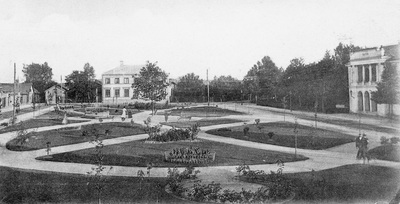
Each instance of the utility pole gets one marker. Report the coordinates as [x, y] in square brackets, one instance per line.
[13, 114]
[208, 90]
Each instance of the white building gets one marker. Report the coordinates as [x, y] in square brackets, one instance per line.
[55, 94]
[365, 69]
[117, 85]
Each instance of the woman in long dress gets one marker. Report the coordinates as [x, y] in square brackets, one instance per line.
[123, 116]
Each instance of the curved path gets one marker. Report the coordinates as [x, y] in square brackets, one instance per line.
[319, 159]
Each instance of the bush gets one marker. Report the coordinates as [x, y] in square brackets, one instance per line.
[257, 121]
[384, 140]
[246, 130]
[270, 135]
[394, 140]
[189, 155]
[224, 130]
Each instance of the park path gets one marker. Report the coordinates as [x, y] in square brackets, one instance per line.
[318, 159]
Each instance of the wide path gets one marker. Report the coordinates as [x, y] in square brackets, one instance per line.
[319, 159]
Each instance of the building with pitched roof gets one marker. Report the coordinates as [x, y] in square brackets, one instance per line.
[56, 94]
[365, 70]
[24, 93]
[117, 84]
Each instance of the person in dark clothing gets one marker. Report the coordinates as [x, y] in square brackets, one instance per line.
[364, 148]
[358, 145]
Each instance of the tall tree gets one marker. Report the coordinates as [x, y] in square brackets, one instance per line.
[226, 88]
[151, 83]
[40, 75]
[190, 88]
[82, 84]
[388, 89]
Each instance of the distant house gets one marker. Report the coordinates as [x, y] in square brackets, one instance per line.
[24, 93]
[56, 94]
[117, 84]
[365, 69]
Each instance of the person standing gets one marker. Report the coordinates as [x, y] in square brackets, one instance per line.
[358, 145]
[123, 116]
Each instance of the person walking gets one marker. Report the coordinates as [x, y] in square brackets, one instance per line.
[358, 145]
[364, 148]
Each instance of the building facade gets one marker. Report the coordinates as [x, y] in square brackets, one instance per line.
[24, 94]
[364, 71]
[55, 94]
[117, 85]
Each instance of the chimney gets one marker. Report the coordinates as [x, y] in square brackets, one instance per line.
[121, 63]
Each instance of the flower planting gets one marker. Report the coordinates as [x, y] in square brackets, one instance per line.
[174, 134]
[191, 155]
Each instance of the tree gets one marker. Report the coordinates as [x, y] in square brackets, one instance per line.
[40, 75]
[226, 88]
[151, 83]
[388, 91]
[82, 84]
[189, 88]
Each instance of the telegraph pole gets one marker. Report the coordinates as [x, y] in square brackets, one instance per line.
[13, 115]
[208, 90]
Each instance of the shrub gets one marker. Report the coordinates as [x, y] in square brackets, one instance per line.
[224, 130]
[189, 155]
[257, 121]
[246, 130]
[394, 140]
[270, 135]
[384, 140]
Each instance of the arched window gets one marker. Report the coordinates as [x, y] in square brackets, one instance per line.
[367, 101]
[360, 101]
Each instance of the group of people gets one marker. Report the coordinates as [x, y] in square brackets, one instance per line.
[362, 145]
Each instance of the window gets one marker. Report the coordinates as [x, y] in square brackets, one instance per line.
[107, 81]
[126, 80]
[116, 81]
[108, 93]
[116, 93]
[366, 78]
[360, 75]
[126, 92]
[373, 70]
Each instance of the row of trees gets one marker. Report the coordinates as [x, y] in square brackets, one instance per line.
[81, 85]
[316, 86]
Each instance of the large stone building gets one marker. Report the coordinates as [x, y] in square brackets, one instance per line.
[117, 85]
[365, 69]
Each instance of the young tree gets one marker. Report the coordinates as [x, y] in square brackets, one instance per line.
[151, 83]
[388, 89]
[40, 75]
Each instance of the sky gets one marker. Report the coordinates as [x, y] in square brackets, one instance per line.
[227, 37]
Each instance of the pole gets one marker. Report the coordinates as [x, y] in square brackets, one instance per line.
[208, 91]
[13, 115]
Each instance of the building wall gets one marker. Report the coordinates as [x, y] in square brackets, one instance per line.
[51, 96]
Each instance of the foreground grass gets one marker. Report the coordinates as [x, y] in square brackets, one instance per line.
[346, 184]
[386, 152]
[308, 137]
[22, 186]
[203, 111]
[138, 153]
[202, 122]
[59, 137]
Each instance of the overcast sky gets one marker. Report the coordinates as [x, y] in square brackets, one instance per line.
[225, 36]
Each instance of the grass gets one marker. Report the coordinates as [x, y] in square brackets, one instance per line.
[203, 111]
[386, 152]
[9, 114]
[202, 122]
[59, 137]
[23, 186]
[113, 111]
[36, 123]
[308, 137]
[354, 183]
[138, 153]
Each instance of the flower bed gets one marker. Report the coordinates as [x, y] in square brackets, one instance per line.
[189, 155]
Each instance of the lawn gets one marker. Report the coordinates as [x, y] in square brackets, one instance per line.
[73, 135]
[202, 122]
[202, 111]
[139, 153]
[355, 183]
[36, 123]
[112, 111]
[308, 137]
[386, 152]
[9, 114]
[23, 186]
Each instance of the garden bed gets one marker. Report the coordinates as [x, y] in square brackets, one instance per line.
[307, 137]
[202, 122]
[139, 153]
[36, 123]
[387, 152]
[202, 111]
[38, 140]
[345, 184]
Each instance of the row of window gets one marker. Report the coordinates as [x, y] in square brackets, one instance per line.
[116, 93]
[367, 77]
[116, 80]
